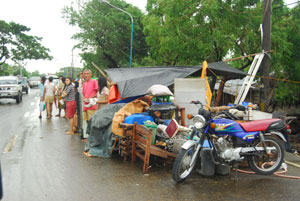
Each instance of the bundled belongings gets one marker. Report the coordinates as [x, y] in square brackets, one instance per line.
[171, 136]
[162, 107]
[234, 112]
[139, 118]
[159, 90]
[100, 140]
[136, 106]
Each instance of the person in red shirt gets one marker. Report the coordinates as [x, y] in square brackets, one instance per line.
[89, 91]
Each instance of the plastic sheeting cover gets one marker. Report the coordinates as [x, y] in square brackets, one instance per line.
[135, 81]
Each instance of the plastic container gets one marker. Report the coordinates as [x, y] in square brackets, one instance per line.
[138, 118]
[161, 103]
[161, 99]
[153, 126]
[245, 104]
[167, 122]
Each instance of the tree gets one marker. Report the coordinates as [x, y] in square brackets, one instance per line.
[188, 32]
[35, 73]
[105, 33]
[288, 62]
[16, 45]
[12, 70]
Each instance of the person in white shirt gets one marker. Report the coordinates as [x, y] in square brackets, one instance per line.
[49, 90]
[103, 93]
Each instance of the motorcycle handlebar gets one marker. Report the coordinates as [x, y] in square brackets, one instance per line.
[195, 102]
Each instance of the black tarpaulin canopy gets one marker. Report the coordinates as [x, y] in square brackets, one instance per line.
[136, 81]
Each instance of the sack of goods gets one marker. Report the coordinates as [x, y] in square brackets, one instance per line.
[159, 90]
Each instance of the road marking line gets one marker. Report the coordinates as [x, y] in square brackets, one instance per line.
[10, 144]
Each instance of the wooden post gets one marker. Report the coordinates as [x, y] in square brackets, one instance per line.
[266, 46]
[220, 91]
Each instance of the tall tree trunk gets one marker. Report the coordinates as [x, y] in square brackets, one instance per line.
[266, 45]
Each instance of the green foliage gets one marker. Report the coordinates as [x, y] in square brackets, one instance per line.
[287, 93]
[6, 70]
[16, 45]
[105, 32]
[288, 66]
[188, 32]
[175, 32]
[35, 73]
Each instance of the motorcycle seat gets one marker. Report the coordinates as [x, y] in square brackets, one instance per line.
[257, 125]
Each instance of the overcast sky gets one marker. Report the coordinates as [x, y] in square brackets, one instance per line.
[44, 19]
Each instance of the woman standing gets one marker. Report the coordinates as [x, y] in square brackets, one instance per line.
[103, 93]
[69, 93]
[42, 101]
[63, 106]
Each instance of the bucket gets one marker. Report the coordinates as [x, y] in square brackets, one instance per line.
[153, 126]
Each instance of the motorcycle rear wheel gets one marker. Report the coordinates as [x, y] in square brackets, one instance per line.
[183, 165]
[266, 164]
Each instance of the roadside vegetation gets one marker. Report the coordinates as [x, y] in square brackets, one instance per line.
[172, 32]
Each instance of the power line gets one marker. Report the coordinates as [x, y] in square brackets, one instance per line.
[286, 5]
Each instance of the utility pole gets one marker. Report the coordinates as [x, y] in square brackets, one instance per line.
[20, 70]
[72, 64]
[266, 46]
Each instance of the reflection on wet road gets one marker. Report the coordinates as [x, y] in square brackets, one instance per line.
[44, 164]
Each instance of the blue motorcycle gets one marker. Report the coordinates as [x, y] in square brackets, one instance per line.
[259, 142]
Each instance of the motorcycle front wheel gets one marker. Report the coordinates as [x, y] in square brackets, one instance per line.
[183, 164]
[267, 163]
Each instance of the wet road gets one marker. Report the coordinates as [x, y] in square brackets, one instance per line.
[44, 164]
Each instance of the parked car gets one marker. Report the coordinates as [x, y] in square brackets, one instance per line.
[10, 87]
[25, 84]
[34, 81]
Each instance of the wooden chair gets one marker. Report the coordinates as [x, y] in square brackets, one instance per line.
[142, 147]
[124, 141]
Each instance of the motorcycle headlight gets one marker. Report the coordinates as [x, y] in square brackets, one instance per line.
[199, 121]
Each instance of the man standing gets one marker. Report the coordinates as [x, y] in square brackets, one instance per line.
[59, 93]
[48, 96]
[89, 90]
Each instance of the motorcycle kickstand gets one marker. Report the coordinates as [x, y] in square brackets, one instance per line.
[235, 167]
